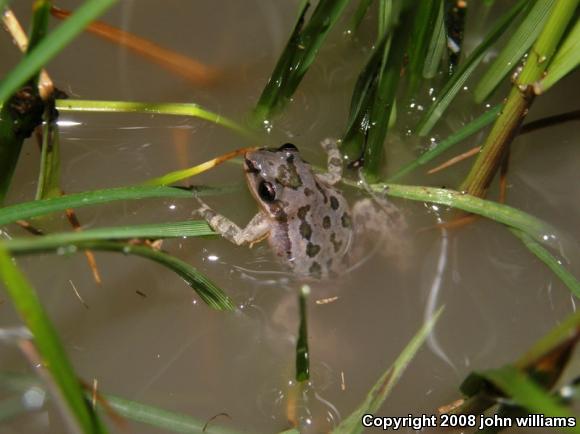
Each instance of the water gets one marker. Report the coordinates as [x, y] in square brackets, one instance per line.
[165, 348]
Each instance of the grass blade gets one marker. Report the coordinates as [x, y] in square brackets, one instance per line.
[456, 82]
[26, 210]
[302, 353]
[299, 53]
[49, 173]
[527, 393]
[566, 59]
[28, 305]
[471, 128]
[426, 16]
[51, 45]
[505, 214]
[129, 409]
[359, 14]
[190, 228]
[518, 45]
[519, 100]
[381, 390]
[552, 263]
[177, 109]
[211, 294]
[437, 45]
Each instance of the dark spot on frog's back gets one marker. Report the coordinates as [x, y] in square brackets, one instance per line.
[334, 204]
[308, 192]
[312, 249]
[288, 175]
[315, 270]
[346, 221]
[326, 222]
[303, 211]
[336, 243]
[305, 230]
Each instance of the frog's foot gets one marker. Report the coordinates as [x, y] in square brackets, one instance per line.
[256, 230]
[334, 162]
[381, 224]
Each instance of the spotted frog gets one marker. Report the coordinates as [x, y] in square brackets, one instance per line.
[305, 218]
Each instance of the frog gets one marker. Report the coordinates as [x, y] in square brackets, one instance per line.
[303, 214]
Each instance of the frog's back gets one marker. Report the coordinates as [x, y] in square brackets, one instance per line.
[318, 235]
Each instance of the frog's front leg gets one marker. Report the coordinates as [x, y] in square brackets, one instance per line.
[256, 230]
[334, 162]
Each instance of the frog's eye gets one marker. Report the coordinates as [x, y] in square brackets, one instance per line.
[288, 146]
[266, 191]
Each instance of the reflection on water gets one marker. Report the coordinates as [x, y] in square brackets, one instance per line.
[145, 334]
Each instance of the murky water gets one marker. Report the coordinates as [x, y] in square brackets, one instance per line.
[168, 349]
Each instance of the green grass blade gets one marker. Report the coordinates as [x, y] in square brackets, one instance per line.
[528, 394]
[426, 15]
[467, 130]
[553, 339]
[176, 109]
[30, 309]
[457, 81]
[566, 59]
[193, 228]
[132, 410]
[26, 210]
[553, 264]
[211, 294]
[51, 45]
[163, 419]
[39, 26]
[302, 353]
[437, 45]
[382, 388]
[505, 214]
[49, 173]
[518, 45]
[299, 53]
[359, 14]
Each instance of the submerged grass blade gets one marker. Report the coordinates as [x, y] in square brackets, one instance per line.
[382, 388]
[30, 309]
[168, 421]
[193, 228]
[49, 173]
[518, 45]
[566, 59]
[302, 353]
[299, 53]
[456, 82]
[426, 16]
[437, 45]
[51, 45]
[26, 210]
[177, 109]
[526, 393]
[552, 263]
[359, 14]
[471, 128]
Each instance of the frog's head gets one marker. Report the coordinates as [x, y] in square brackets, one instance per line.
[277, 178]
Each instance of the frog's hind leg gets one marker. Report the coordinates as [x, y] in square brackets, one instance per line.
[380, 224]
[334, 162]
[255, 231]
